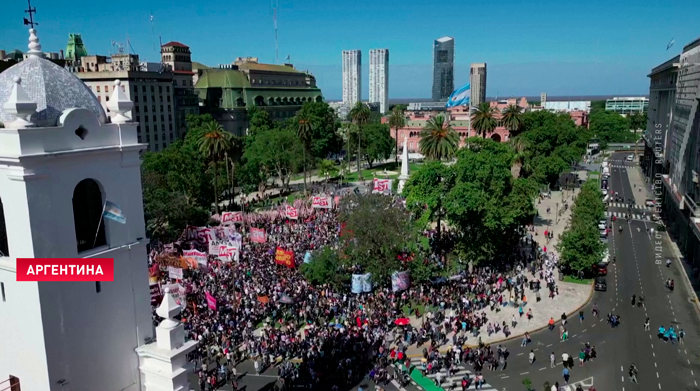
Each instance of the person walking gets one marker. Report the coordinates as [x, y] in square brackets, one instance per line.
[581, 357]
[565, 374]
[552, 360]
[646, 324]
[565, 360]
[681, 335]
[633, 373]
[531, 357]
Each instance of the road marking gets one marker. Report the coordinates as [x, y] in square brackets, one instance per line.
[397, 385]
[655, 364]
[593, 325]
[542, 369]
[505, 377]
[525, 373]
[584, 330]
[520, 354]
[549, 345]
[657, 375]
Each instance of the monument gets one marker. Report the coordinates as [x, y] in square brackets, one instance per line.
[403, 177]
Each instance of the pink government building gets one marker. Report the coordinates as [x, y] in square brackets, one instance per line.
[459, 119]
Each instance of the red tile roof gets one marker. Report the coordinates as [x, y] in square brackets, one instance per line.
[175, 43]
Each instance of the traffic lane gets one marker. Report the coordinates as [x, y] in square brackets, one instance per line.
[658, 362]
[680, 362]
[246, 378]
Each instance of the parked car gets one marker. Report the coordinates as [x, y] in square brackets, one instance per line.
[600, 284]
[630, 158]
[606, 257]
[603, 233]
[649, 203]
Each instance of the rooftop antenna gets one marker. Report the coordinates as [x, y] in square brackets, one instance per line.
[31, 11]
[128, 43]
[275, 4]
[153, 31]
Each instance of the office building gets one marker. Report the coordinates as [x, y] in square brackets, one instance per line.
[662, 98]
[681, 159]
[352, 77]
[63, 159]
[543, 99]
[427, 106]
[443, 68]
[567, 105]
[228, 91]
[178, 60]
[477, 81]
[379, 78]
[627, 105]
[151, 92]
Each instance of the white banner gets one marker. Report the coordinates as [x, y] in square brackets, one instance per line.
[292, 212]
[198, 256]
[175, 272]
[382, 186]
[231, 217]
[322, 202]
[227, 252]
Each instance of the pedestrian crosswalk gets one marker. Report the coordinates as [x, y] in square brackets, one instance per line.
[455, 380]
[625, 205]
[618, 166]
[623, 215]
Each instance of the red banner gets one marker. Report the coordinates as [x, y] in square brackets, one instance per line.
[231, 217]
[321, 202]
[284, 257]
[382, 185]
[211, 301]
[258, 235]
[292, 212]
[65, 269]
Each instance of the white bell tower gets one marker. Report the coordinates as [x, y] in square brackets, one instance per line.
[60, 161]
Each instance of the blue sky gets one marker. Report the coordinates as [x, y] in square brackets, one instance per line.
[561, 47]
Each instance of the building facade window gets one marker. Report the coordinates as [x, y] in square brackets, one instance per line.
[87, 215]
[98, 88]
[4, 247]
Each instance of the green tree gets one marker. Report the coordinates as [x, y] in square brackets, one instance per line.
[379, 232]
[437, 139]
[324, 124]
[579, 246]
[276, 150]
[212, 144]
[397, 120]
[611, 127]
[484, 119]
[326, 267]
[360, 116]
[377, 143]
[327, 168]
[305, 134]
[513, 119]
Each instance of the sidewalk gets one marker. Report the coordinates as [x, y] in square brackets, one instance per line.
[550, 221]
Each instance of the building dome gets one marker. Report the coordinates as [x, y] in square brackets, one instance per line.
[52, 88]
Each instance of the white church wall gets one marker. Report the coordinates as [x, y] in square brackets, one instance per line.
[23, 351]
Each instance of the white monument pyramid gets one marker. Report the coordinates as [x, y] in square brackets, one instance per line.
[403, 177]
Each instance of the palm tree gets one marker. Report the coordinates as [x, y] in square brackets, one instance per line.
[437, 139]
[512, 118]
[397, 120]
[520, 158]
[484, 119]
[304, 132]
[360, 116]
[213, 143]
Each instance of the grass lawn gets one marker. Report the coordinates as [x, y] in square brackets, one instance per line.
[577, 280]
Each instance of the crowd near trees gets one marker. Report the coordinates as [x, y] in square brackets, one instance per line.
[484, 197]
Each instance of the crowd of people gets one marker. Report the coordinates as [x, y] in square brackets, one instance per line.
[269, 313]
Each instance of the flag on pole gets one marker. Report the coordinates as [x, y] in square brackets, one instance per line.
[289, 57]
[668, 46]
[460, 97]
[113, 212]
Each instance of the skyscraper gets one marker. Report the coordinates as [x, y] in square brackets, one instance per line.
[352, 76]
[477, 79]
[379, 78]
[443, 68]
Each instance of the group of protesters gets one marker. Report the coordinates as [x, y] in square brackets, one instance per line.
[269, 313]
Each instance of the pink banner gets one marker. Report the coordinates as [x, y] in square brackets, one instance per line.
[258, 235]
[382, 185]
[321, 202]
[211, 301]
[292, 212]
[231, 217]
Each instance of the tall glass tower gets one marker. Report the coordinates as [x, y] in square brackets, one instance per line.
[443, 68]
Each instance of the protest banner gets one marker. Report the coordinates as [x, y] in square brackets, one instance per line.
[214, 247]
[292, 212]
[284, 257]
[155, 293]
[175, 272]
[400, 281]
[258, 235]
[197, 256]
[231, 217]
[178, 293]
[233, 252]
[382, 186]
[211, 301]
[356, 286]
[321, 202]
[227, 252]
[367, 282]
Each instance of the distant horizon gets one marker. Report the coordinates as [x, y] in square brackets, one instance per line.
[532, 98]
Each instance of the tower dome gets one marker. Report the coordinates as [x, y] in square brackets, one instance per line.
[54, 89]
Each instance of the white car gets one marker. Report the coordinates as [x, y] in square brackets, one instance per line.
[605, 191]
[650, 203]
[606, 257]
[601, 226]
[630, 158]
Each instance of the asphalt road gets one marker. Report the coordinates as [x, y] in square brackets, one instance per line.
[662, 366]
